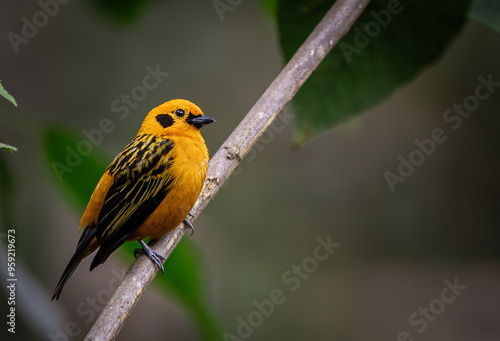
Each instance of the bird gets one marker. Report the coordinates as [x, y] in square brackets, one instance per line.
[148, 189]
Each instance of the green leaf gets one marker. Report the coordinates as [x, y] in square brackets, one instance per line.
[487, 12]
[8, 147]
[271, 8]
[76, 169]
[6, 95]
[389, 44]
[122, 11]
[74, 163]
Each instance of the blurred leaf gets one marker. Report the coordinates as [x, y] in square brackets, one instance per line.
[74, 163]
[123, 11]
[6, 95]
[487, 12]
[12, 149]
[271, 7]
[77, 176]
[389, 44]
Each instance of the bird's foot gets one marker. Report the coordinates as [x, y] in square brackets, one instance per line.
[154, 256]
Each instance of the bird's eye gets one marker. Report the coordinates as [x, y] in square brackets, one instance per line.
[179, 112]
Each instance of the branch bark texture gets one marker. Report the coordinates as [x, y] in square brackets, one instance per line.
[334, 25]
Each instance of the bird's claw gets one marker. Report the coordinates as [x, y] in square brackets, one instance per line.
[153, 255]
[189, 225]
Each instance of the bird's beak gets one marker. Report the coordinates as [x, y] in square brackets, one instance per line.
[200, 121]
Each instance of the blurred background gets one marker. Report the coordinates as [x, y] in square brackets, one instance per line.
[399, 250]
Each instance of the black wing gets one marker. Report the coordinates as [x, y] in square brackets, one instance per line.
[141, 182]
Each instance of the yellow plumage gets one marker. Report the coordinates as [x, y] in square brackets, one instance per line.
[149, 188]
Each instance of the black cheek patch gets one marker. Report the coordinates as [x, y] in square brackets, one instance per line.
[165, 120]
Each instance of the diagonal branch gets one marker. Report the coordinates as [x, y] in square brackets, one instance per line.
[334, 25]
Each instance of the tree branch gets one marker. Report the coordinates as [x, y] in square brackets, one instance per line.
[334, 25]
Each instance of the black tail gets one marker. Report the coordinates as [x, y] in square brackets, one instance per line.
[87, 236]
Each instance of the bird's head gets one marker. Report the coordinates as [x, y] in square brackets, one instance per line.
[175, 117]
